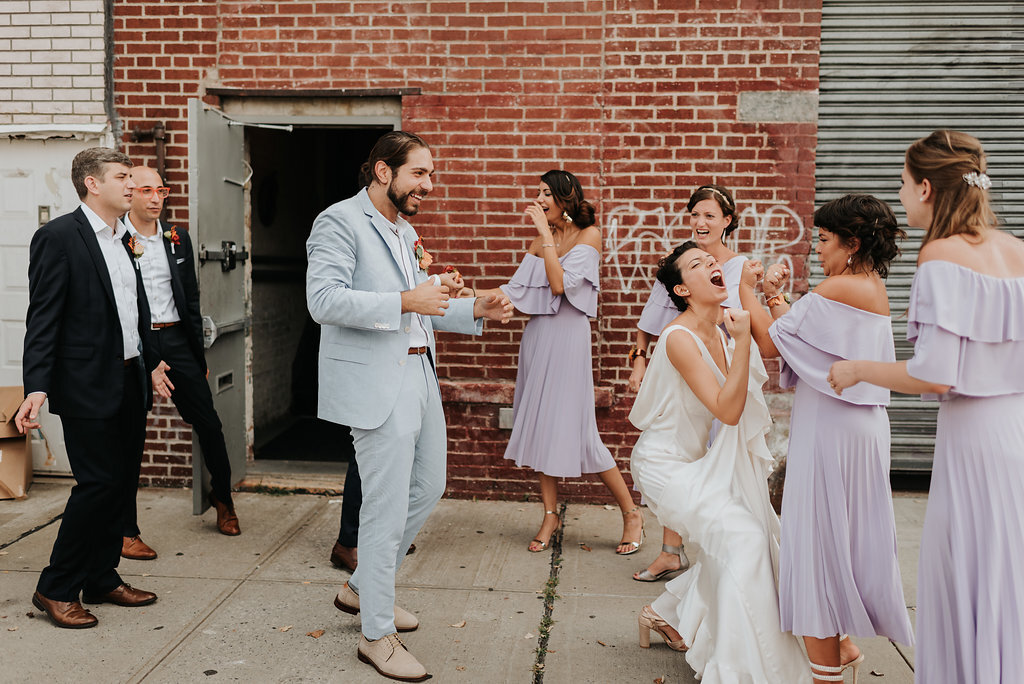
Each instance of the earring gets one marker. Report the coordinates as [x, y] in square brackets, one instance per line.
[921, 198]
[566, 217]
[849, 260]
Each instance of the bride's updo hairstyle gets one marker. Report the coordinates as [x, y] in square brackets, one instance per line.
[867, 220]
[954, 164]
[670, 275]
[568, 192]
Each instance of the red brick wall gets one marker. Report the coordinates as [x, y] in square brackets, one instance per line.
[639, 98]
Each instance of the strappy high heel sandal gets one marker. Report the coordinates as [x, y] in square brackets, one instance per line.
[646, 575]
[649, 621]
[834, 673]
[544, 544]
[634, 546]
[855, 663]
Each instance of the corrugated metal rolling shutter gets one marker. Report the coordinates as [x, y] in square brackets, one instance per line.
[892, 72]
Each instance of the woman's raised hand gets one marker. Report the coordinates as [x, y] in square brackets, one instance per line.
[775, 278]
[737, 323]
[536, 212]
[752, 272]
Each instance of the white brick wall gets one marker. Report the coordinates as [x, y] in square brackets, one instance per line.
[51, 62]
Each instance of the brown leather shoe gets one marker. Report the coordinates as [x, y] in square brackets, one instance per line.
[227, 521]
[133, 548]
[124, 595]
[67, 614]
[345, 557]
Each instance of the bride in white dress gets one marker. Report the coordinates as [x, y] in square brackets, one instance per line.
[724, 610]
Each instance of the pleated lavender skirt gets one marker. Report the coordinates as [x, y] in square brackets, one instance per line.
[554, 427]
[970, 593]
[838, 568]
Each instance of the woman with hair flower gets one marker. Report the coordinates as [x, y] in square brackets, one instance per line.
[966, 320]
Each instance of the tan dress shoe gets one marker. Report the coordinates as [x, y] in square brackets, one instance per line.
[124, 595]
[133, 548]
[227, 521]
[347, 601]
[345, 557]
[390, 658]
[66, 614]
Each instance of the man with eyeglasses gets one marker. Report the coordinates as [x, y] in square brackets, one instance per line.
[169, 275]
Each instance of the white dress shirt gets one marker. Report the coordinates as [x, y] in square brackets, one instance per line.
[156, 276]
[399, 246]
[121, 268]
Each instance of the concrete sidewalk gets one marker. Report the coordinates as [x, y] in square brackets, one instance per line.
[251, 608]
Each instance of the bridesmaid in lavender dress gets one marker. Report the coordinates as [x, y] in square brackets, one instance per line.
[554, 428]
[966, 319]
[713, 218]
[839, 573]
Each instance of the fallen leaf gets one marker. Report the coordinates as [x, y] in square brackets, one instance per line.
[601, 642]
[284, 629]
[874, 673]
[209, 673]
[147, 574]
[609, 508]
[307, 582]
[460, 668]
[660, 680]
[12, 629]
[316, 634]
[584, 546]
[30, 614]
[459, 624]
[528, 636]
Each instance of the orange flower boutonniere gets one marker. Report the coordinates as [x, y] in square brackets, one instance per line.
[136, 246]
[423, 257]
[172, 235]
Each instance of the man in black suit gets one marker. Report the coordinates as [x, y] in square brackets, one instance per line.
[86, 327]
[172, 292]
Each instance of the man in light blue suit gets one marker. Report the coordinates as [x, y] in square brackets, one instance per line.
[368, 288]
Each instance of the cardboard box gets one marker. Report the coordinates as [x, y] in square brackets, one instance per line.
[15, 451]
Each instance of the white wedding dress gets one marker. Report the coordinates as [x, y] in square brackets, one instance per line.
[726, 606]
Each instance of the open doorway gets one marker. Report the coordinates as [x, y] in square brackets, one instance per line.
[296, 175]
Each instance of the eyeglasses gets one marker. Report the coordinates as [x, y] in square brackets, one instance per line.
[147, 191]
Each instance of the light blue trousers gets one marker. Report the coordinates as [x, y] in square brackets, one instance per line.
[402, 466]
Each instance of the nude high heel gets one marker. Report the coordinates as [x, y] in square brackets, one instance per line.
[855, 663]
[634, 546]
[649, 621]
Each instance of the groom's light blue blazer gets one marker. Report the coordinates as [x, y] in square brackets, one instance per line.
[353, 286]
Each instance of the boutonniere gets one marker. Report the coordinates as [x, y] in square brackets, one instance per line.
[136, 246]
[172, 235]
[423, 257]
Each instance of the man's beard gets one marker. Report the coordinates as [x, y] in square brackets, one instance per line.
[402, 202]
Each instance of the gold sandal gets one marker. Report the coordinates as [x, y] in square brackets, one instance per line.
[544, 544]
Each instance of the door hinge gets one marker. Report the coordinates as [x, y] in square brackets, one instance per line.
[228, 255]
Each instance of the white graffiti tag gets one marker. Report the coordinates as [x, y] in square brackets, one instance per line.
[635, 235]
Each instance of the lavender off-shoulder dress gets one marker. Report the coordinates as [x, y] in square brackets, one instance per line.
[554, 425]
[968, 333]
[838, 569]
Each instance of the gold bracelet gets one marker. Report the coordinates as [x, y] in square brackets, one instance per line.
[774, 299]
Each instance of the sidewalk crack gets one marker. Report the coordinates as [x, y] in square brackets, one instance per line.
[550, 595]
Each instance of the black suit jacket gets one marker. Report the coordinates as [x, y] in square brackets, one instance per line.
[74, 350]
[185, 287]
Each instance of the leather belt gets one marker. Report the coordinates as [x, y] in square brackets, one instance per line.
[160, 326]
[417, 350]
[130, 362]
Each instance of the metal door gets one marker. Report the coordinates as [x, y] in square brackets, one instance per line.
[35, 186]
[217, 177]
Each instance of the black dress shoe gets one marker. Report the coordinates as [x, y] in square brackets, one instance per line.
[345, 557]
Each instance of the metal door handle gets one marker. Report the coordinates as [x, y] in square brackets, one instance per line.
[212, 331]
